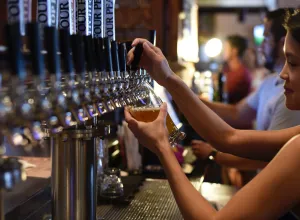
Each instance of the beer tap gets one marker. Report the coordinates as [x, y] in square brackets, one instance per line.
[80, 90]
[58, 119]
[36, 91]
[109, 77]
[101, 79]
[13, 101]
[136, 72]
[117, 74]
[73, 101]
[90, 80]
[125, 97]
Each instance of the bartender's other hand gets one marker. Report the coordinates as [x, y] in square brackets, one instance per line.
[152, 60]
[201, 149]
[153, 135]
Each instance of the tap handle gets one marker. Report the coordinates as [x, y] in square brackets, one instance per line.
[51, 45]
[115, 56]
[122, 56]
[138, 51]
[89, 53]
[35, 45]
[100, 54]
[152, 37]
[14, 45]
[128, 48]
[65, 49]
[107, 49]
[78, 52]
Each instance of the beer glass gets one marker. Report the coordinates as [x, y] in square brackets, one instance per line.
[146, 109]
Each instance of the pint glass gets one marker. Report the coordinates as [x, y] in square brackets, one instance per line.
[147, 107]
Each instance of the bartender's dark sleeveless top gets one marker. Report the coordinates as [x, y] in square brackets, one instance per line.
[289, 216]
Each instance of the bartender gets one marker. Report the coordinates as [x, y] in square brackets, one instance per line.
[275, 190]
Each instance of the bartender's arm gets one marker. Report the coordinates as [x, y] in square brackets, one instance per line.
[261, 145]
[203, 150]
[239, 115]
[272, 193]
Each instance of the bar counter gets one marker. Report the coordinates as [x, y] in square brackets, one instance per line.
[31, 200]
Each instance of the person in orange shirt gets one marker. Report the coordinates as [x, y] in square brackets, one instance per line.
[238, 77]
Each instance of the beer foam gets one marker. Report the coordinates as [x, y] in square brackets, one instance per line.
[140, 109]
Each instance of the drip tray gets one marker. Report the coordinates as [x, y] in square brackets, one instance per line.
[131, 186]
[154, 201]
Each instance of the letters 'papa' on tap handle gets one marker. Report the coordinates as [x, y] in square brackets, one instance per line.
[138, 51]
[35, 47]
[51, 45]
[14, 45]
[65, 50]
[122, 56]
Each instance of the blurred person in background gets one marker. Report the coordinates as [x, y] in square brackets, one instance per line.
[256, 67]
[238, 77]
[265, 105]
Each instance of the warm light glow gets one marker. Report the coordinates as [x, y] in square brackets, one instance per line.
[208, 74]
[213, 47]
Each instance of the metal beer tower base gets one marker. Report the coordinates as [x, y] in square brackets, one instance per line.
[74, 173]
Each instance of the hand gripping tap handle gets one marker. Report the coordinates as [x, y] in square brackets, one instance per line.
[138, 51]
[35, 46]
[14, 45]
[78, 53]
[65, 49]
[122, 56]
[115, 56]
[51, 45]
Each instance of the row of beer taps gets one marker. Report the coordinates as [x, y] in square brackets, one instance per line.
[63, 81]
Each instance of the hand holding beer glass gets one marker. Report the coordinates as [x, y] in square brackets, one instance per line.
[147, 108]
[147, 104]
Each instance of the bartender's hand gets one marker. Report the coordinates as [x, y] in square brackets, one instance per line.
[152, 60]
[153, 135]
[201, 149]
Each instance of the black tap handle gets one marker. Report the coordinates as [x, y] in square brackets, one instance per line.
[100, 56]
[89, 53]
[108, 58]
[51, 45]
[14, 45]
[122, 56]
[152, 37]
[128, 45]
[128, 48]
[78, 52]
[35, 46]
[115, 56]
[65, 50]
[138, 51]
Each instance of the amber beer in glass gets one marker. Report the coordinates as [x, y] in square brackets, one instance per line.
[146, 108]
[150, 114]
